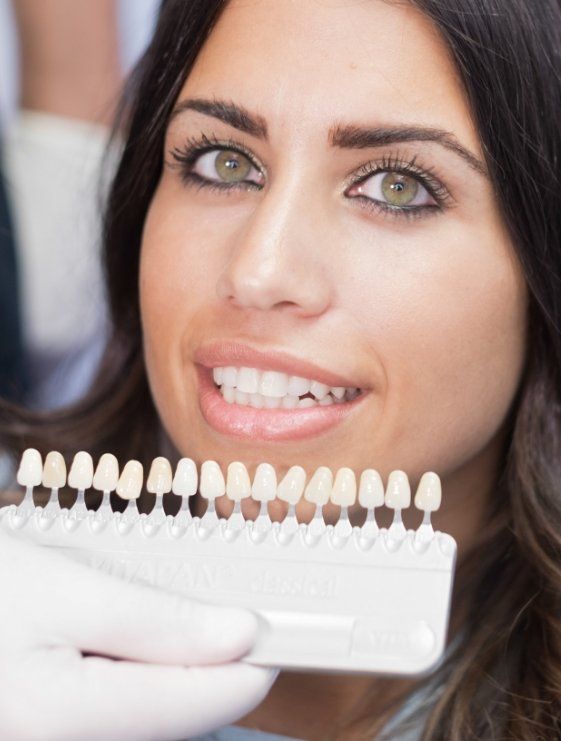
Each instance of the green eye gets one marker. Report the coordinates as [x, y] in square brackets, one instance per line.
[399, 189]
[394, 190]
[232, 167]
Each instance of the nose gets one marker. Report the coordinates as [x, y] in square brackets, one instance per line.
[275, 261]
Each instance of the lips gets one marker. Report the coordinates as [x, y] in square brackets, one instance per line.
[229, 353]
[248, 423]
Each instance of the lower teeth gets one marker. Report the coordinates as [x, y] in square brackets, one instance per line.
[258, 401]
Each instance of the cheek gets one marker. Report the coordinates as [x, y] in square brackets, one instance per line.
[452, 344]
[173, 281]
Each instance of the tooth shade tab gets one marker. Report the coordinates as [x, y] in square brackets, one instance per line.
[30, 471]
[238, 484]
[54, 471]
[185, 480]
[291, 487]
[371, 489]
[429, 492]
[212, 482]
[106, 476]
[81, 471]
[264, 487]
[160, 477]
[318, 489]
[398, 491]
[129, 485]
[344, 488]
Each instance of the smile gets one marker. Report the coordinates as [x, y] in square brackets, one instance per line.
[281, 408]
[270, 389]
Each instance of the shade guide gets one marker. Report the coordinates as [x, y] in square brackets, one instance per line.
[30, 469]
[238, 484]
[54, 471]
[322, 488]
[129, 485]
[185, 479]
[81, 471]
[106, 474]
[429, 492]
[212, 483]
[160, 477]
[398, 491]
[291, 487]
[318, 488]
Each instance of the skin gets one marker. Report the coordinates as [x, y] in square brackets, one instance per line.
[69, 57]
[429, 313]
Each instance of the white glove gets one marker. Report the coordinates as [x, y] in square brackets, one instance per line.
[52, 610]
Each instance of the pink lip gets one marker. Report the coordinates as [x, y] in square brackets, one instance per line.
[248, 423]
[228, 353]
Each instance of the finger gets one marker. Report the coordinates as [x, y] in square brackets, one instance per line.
[123, 700]
[138, 622]
[73, 604]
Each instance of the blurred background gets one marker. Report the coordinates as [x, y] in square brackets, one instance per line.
[62, 65]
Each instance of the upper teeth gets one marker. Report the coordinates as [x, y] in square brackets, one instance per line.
[274, 384]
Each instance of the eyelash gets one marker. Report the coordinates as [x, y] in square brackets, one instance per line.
[194, 147]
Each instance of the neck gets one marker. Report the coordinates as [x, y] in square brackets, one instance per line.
[312, 706]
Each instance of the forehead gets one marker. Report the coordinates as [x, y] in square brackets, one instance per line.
[303, 64]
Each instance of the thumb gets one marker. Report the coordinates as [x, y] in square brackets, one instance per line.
[104, 614]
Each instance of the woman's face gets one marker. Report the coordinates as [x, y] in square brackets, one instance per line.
[338, 212]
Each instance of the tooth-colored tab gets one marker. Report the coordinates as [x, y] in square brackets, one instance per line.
[429, 492]
[292, 485]
[159, 477]
[81, 471]
[106, 474]
[212, 482]
[398, 491]
[129, 485]
[186, 478]
[238, 483]
[54, 471]
[30, 471]
[264, 487]
[318, 489]
[344, 488]
[371, 489]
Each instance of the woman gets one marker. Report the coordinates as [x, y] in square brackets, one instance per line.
[366, 193]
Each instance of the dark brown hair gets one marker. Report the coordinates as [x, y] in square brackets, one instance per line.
[502, 680]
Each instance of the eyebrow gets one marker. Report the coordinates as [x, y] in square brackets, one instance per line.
[341, 136]
[230, 113]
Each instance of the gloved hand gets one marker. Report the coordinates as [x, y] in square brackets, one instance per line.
[53, 610]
